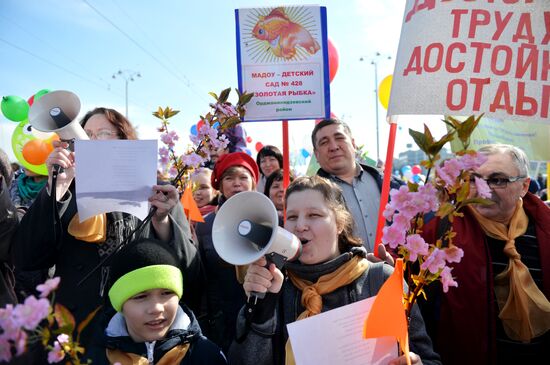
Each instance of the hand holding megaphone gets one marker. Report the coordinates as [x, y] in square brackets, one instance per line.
[62, 159]
[246, 229]
[263, 277]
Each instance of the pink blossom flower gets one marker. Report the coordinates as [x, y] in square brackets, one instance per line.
[393, 235]
[5, 348]
[453, 254]
[388, 212]
[169, 138]
[63, 338]
[56, 354]
[449, 171]
[401, 221]
[429, 194]
[172, 172]
[192, 160]
[472, 161]
[447, 279]
[7, 321]
[435, 261]
[221, 142]
[20, 343]
[483, 190]
[416, 246]
[32, 312]
[49, 286]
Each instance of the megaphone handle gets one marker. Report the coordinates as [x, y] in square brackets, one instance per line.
[279, 261]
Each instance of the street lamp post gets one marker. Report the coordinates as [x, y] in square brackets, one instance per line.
[127, 75]
[374, 62]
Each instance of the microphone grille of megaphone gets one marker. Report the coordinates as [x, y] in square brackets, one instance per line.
[56, 112]
[231, 225]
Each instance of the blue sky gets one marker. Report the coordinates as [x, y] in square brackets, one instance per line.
[183, 50]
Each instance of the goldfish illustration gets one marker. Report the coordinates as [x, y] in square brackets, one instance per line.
[283, 35]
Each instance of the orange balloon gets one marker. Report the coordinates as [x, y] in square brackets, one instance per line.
[36, 151]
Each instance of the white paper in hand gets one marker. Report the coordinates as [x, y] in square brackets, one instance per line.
[114, 176]
[336, 337]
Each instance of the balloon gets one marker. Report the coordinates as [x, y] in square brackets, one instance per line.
[416, 169]
[406, 168]
[248, 151]
[37, 96]
[416, 178]
[407, 175]
[259, 146]
[248, 139]
[332, 60]
[33, 156]
[14, 108]
[305, 153]
[36, 151]
[200, 123]
[384, 91]
[194, 129]
[40, 94]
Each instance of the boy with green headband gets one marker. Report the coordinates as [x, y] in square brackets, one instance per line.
[151, 326]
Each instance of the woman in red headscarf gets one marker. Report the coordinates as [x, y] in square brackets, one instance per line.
[233, 173]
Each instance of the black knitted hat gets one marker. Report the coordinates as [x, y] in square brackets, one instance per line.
[143, 265]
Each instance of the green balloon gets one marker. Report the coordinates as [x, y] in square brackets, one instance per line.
[39, 94]
[14, 108]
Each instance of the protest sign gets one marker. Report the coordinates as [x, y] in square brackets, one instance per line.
[282, 58]
[464, 57]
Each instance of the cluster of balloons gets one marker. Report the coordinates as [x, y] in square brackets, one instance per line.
[413, 173]
[30, 146]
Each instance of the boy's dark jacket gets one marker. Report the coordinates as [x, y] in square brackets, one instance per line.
[201, 350]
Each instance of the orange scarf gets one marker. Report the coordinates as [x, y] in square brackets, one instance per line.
[312, 292]
[174, 356]
[524, 310]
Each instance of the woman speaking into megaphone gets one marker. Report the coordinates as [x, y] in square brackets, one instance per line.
[332, 271]
[76, 248]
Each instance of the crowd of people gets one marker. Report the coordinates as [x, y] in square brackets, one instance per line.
[163, 295]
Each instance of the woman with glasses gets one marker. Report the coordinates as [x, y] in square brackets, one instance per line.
[51, 233]
[500, 311]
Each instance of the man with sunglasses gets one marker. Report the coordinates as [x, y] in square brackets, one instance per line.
[500, 311]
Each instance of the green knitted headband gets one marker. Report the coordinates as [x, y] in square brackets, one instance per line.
[145, 278]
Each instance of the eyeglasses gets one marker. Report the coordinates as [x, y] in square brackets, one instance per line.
[497, 182]
[101, 134]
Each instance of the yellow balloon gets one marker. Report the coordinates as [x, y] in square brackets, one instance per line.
[384, 91]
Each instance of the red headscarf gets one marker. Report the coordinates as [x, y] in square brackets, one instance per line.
[233, 159]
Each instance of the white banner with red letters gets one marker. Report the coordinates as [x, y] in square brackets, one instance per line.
[464, 57]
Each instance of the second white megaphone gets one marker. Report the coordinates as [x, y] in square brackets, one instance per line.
[247, 227]
[56, 112]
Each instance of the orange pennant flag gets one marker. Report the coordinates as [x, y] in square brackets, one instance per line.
[190, 207]
[387, 315]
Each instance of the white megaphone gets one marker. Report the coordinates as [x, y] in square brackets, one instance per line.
[56, 112]
[247, 227]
